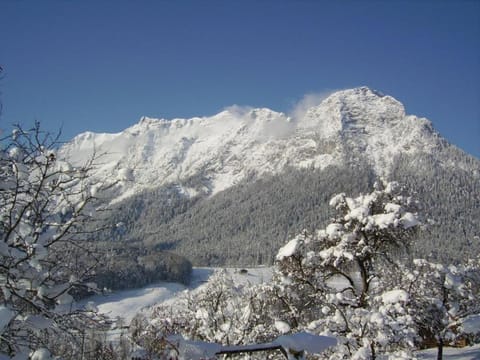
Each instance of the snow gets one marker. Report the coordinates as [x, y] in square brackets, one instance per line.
[313, 344]
[466, 353]
[41, 354]
[383, 221]
[392, 208]
[395, 296]
[452, 281]
[189, 350]
[362, 353]
[38, 322]
[471, 324]
[391, 187]
[65, 299]
[302, 341]
[409, 220]
[334, 230]
[288, 249]
[126, 304]
[5, 316]
[282, 326]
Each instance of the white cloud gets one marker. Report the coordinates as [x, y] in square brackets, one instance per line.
[308, 101]
[271, 126]
[239, 111]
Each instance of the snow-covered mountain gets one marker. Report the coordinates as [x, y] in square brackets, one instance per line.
[240, 143]
[232, 188]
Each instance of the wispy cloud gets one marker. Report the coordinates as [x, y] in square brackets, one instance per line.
[266, 127]
[308, 101]
[239, 111]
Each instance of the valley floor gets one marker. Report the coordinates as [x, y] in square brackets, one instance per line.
[126, 304]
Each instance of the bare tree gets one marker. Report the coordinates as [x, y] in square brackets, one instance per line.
[45, 204]
[446, 300]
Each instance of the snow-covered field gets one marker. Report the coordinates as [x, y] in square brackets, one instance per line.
[125, 304]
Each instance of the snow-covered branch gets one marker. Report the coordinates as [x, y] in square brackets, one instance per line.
[44, 206]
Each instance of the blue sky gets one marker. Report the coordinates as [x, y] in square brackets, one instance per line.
[101, 65]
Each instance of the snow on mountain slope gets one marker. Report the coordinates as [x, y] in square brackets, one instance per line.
[368, 122]
[237, 143]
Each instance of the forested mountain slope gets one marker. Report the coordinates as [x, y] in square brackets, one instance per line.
[247, 224]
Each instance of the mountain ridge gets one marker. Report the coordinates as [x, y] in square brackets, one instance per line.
[240, 143]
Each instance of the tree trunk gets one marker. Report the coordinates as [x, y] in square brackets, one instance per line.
[364, 274]
[440, 349]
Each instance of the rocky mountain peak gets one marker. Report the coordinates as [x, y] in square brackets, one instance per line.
[352, 109]
[228, 147]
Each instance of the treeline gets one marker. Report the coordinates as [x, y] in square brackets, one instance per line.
[129, 266]
[123, 266]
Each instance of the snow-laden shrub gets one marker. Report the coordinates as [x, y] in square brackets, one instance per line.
[219, 312]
